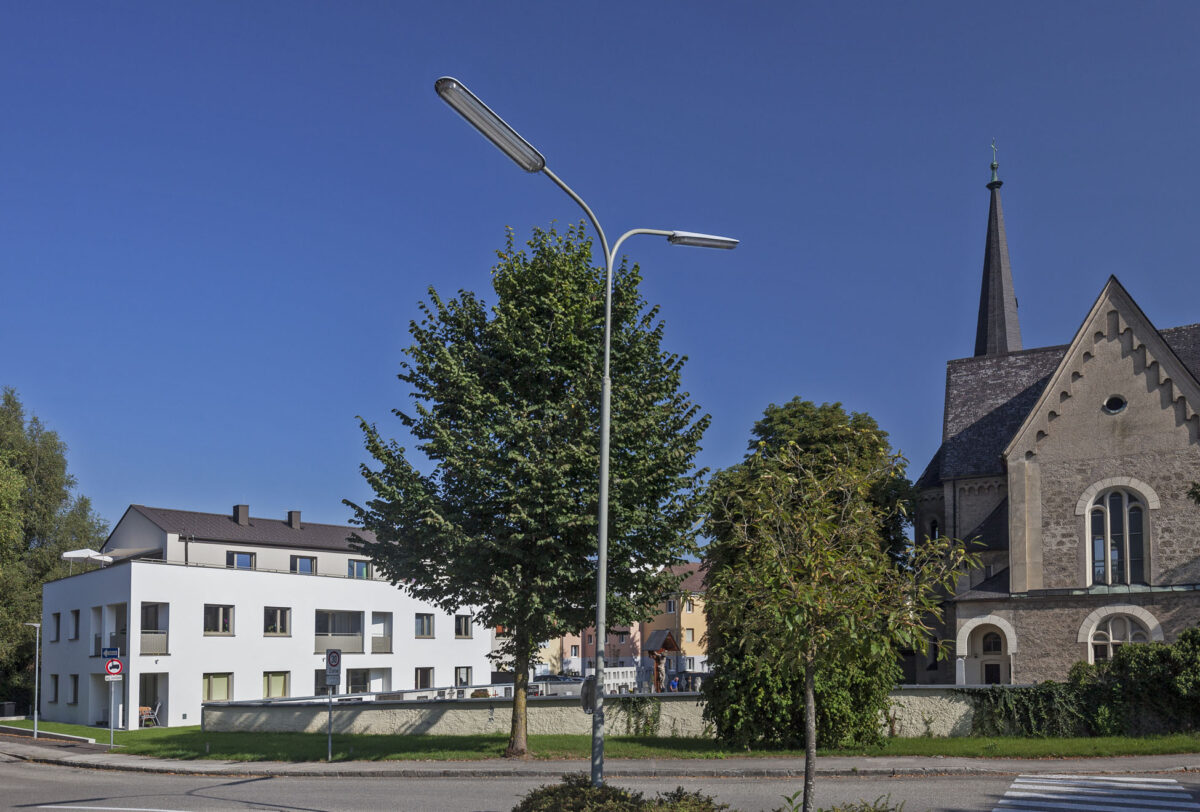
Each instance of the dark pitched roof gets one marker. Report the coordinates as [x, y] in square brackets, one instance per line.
[268, 532]
[992, 532]
[989, 397]
[987, 590]
[998, 331]
[693, 577]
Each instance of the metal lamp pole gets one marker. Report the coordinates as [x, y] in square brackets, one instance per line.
[37, 674]
[481, 117]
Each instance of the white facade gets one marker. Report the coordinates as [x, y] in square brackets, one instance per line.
[201, 630]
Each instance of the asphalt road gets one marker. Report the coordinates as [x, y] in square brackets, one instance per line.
[27, 786]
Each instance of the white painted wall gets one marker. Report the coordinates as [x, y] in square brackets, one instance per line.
[248, 653]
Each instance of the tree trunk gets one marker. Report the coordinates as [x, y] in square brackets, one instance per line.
[518, 735]
[810, 734]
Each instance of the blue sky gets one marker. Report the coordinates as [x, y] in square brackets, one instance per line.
[217, 219]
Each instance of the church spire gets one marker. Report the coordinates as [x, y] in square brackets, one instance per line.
[998, 331]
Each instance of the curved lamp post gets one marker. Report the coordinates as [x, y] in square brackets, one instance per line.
[481, 117]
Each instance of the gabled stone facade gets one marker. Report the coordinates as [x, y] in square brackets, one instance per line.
[1069, 466]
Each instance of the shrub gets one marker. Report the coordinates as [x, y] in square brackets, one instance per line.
[576, 794]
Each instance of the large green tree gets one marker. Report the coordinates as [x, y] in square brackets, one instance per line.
[805, 581]
[506, 407]
[40, 518]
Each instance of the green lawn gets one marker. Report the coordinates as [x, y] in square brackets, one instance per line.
[192, 743]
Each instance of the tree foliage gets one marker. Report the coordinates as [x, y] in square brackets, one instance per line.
[40, 518]
[802, 578]
[506, 406]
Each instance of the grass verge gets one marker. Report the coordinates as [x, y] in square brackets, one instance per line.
[193, 743]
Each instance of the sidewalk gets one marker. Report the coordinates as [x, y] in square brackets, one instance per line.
[96, 756]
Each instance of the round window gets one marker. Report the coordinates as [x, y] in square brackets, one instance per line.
[1115, 404]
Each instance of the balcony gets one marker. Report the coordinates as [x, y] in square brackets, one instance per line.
[154, 642]
[381, 644]
[348, 642]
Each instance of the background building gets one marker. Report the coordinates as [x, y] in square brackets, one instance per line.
[205, 606]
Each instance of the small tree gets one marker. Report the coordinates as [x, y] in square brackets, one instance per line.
[751, 700]
[809, 578]
[507, 408]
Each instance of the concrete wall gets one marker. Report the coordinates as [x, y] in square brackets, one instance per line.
[680, 716]
[917, 710]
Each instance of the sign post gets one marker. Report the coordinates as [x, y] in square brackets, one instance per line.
[333, 678]
[112, 675]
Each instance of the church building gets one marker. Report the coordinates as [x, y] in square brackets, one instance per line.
[1069, 466]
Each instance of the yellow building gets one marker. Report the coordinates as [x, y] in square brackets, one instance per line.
[682, 614]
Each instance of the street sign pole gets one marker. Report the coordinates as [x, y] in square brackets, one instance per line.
[110, 714]
[333, 678]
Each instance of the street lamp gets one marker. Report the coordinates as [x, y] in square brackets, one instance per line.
[526, 156]
[37, 663]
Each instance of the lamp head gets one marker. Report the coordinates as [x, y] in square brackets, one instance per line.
[494, 128]
[702, 240]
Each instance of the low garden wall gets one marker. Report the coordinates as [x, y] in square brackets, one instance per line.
[916, 710]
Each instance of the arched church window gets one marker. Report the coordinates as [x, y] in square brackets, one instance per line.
[1116, 538]
[992, 643]
[1112, 633]
[933, 529]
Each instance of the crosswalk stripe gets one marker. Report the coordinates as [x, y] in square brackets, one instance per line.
[1091, 793]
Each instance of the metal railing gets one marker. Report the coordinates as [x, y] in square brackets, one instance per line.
[349, 643]
[381, 644]
[153, 642]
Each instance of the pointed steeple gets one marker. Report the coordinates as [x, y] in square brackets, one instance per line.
[998, 331]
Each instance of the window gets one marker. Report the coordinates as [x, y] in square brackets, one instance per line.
[691, 663]
[55, 622]
[319, 686]
[462, 676]
[1112, 633]
[73, 692]
[1115, 404]
[991, 673]
[356, 568]
[622, 637]
[670, 606]
[423, 678]
[218, 619]
[218, 687]
[574, 651]
[53, 688]
[589, 640]
[1117, 539]
[277, 622]
[690, 606]
[74, 624]
[424, 625]
[934, 529]
[358, 680]
[239, 561]
[689, 635]
[462, 626]
[275, 684]
[304, 565]
[992, 644]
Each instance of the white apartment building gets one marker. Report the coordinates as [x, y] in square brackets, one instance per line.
[211, 607]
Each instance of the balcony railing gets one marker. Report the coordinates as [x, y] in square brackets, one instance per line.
[381, 644]
[154, 642]
[117, 640]
[349, 643]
